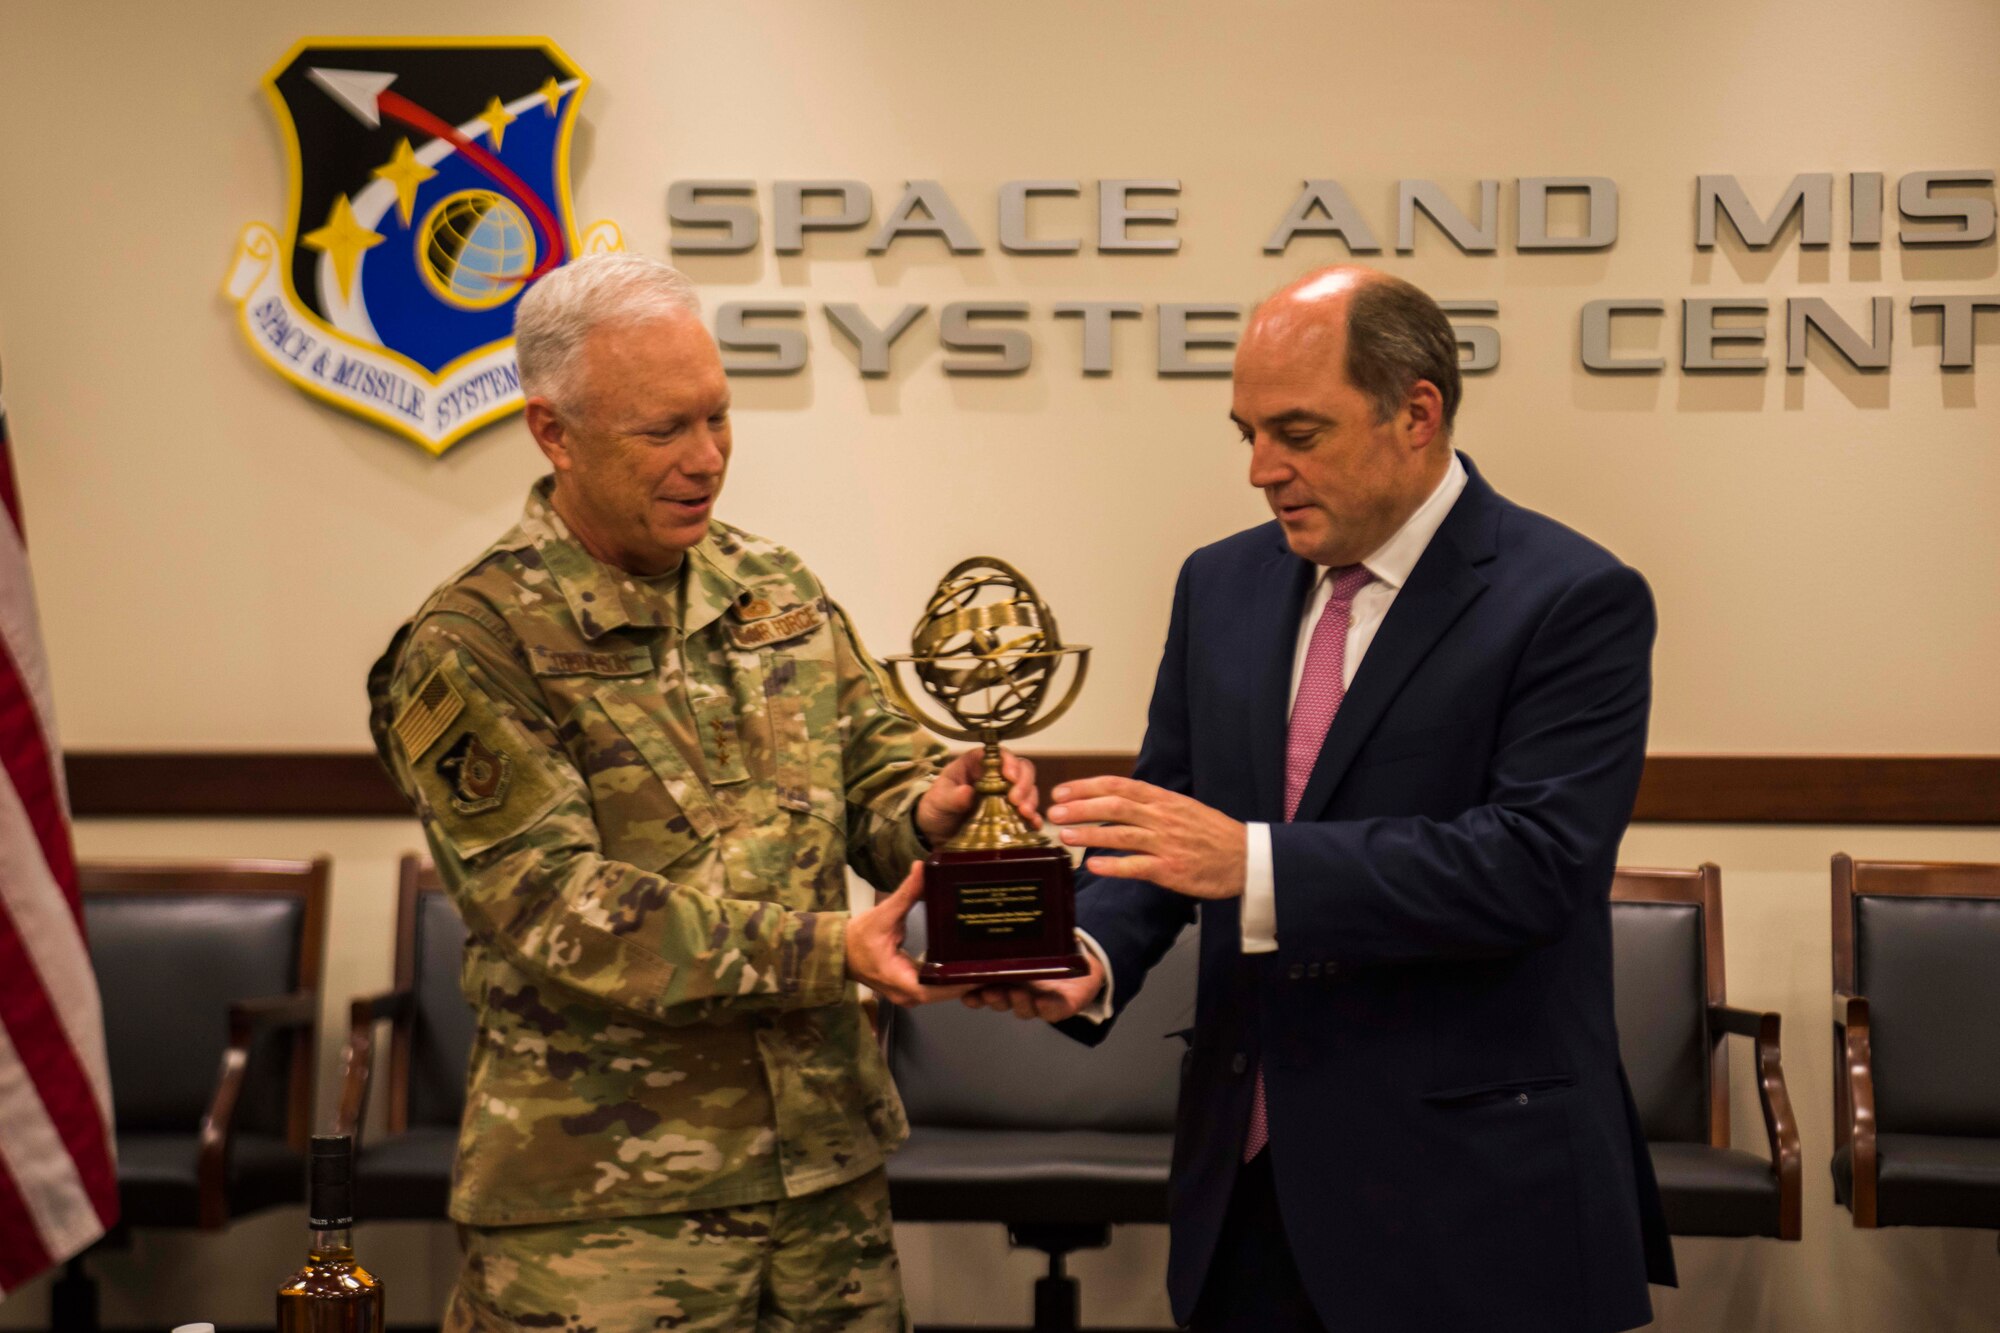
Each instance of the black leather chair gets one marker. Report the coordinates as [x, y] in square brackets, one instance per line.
[209, 975]
[407, 1172]
[1916, 1028]
[1672, 1020]
[1012, 1122]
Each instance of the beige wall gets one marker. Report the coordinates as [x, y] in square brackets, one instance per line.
[219, 558]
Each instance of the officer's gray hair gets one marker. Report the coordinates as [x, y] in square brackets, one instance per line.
[561, 310]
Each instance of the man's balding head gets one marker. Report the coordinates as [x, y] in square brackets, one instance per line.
[1346, 383]
[1395, 334]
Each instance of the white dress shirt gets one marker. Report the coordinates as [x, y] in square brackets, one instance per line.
[1390, 564]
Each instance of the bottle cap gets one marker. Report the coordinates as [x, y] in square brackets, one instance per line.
[330, 1182]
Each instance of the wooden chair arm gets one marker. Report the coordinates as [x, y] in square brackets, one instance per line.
[248, 1019]
[298, 1009]
[1781, 1126]
[1854, 1099]
[357, 1066]
[388, 1007]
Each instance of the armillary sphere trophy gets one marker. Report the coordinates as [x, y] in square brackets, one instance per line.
[999, 896]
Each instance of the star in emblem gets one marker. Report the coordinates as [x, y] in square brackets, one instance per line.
[342, 239]
[552, 94]
[406, 174]
[497, 120]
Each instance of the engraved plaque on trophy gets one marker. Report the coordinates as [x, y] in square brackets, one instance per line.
[999, 897]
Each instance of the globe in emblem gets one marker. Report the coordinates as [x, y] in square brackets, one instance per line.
[987, 651]
[476, 248]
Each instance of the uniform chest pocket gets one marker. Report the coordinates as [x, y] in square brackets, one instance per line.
[806, 741]
[640, 717]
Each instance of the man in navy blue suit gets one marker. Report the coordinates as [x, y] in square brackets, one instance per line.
[1395, 739]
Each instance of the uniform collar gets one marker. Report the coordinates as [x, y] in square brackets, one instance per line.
[714, 577]
[602, 598]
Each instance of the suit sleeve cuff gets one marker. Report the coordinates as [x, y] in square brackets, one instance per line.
[1260, 892]
[1100, 1009]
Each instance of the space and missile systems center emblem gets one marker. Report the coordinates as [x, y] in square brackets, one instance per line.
[429, 190]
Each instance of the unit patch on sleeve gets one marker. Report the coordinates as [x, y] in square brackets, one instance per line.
[430, 710]
[475, 774]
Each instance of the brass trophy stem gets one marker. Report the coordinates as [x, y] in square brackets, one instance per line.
[995, 823]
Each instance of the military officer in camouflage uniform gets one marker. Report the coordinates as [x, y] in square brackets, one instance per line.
[644, 746]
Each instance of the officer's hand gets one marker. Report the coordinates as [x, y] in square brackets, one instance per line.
[875, 956]
[1053, 1001]
[951, 798]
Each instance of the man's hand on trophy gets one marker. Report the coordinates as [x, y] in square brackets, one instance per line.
[951, 797]
[1171, 840]
[875, 956]
[1051, 1001]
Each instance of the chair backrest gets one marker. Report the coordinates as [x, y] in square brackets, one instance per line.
[1921, 939]
[977, 1069]
[1666, 943]
[429, 1055]
[172, 946]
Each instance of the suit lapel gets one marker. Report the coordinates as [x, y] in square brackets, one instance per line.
[1444, 583]
[1278, 600]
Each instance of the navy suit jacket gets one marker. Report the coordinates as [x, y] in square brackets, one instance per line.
[1453, 1140]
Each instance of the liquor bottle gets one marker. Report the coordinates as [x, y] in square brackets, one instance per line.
[332, 1293]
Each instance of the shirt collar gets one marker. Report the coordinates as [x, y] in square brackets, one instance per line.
[1393, 560]
[602, 599]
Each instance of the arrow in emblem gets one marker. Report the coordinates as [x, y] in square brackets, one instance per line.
[359, 90]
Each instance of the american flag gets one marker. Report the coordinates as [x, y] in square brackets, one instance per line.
[58, 1180]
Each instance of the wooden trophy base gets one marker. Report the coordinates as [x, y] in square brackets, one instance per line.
[1002, 914]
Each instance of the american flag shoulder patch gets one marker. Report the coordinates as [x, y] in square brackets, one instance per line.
[430, 710]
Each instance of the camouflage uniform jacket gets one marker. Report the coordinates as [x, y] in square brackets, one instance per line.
[641, 794]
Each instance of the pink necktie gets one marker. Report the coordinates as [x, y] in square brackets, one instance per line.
[1320, 693]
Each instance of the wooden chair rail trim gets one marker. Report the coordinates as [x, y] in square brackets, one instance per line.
[1676, 789]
